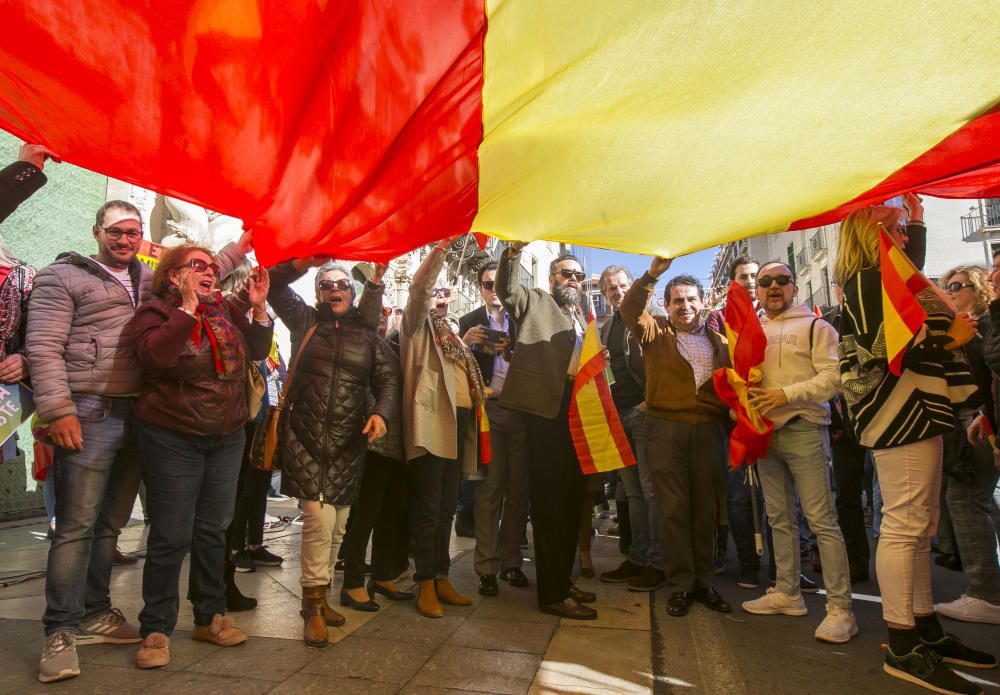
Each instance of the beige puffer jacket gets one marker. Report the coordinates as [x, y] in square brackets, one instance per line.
[75, 342]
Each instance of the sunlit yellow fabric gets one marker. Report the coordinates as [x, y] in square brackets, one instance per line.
[668, 126]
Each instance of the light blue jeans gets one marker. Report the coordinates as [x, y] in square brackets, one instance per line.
[799, 459]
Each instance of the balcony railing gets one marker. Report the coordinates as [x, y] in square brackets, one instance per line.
[801, 261]
[817, 243]
[985, 218]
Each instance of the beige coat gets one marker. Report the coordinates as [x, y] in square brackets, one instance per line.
[429, 420]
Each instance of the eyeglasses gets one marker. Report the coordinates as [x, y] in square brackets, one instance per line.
[957, 286]
[343, 284]
[441, 292]
[114, 234]
[768, 280]
[488, 285]
[200, 266]
[579, 275]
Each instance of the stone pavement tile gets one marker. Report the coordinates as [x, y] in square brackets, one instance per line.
[277, 620]
[514, 604]
[99, 679]
[30, 587]
[617, 607]
[207, 684]
[372, 659]
[21, 643]
[478, 670]
[358, 619]
[427, 690]
[23, 608]
[184, 651]
[596, 660]
[258, 658]
[266, 588]
[503, 635]
[407, 624]
[311, 684]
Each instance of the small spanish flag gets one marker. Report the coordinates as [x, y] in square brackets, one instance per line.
[751, 437]
[990, 436]
[902, 315]
[483, 428]
[598, 435]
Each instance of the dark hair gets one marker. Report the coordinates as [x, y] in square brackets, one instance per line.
[116, 205]
[492, 265]
[683, 281]
[173, 259]
[742, 259]
[996, 253]
[560, 259]
[781, 263]
[613, 270]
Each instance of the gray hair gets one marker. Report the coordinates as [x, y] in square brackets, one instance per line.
[327, 268]
[613, 270]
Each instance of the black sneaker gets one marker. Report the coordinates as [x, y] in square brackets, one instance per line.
[650, 579]
[952, 651]
[806, 585]
[625, 572]
[748, 578]
[244, 561]
[265, 558]
[924, 667]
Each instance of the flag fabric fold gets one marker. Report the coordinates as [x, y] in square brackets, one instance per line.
[483, 430]
[751, 437]
[598, 435]
[902, 314]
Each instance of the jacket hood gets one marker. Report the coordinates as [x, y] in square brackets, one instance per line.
[794, 312]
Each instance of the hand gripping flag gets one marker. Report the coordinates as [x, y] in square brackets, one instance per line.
[600, 441]
[902, 315]
[752, 435]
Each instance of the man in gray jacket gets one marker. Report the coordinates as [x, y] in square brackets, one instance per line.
[539, 383]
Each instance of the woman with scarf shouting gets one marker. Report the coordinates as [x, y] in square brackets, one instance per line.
[194, 348]
[442, 392]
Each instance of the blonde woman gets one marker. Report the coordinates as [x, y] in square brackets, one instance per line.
[902, 420]
[971, 475]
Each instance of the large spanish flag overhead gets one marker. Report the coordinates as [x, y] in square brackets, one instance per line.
[365, 129]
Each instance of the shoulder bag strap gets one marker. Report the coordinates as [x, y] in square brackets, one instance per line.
[295, 363]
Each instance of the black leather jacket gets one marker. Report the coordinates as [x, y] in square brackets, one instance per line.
[322, 447]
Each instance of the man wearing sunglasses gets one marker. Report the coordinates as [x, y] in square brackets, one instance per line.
[490, 332]
[539, 383]
[801, 376]
[85, 375]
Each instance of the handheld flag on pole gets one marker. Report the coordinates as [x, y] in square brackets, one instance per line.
[902, 314]
[598, 435]
[483, 430]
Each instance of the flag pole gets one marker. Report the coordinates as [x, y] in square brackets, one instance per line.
[754, 482]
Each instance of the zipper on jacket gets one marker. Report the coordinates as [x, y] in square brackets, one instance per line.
[324, 467]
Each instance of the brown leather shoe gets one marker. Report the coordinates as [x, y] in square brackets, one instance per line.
[221, 632]
[447, 595]
[314, 632]
[333, 618]
[571, 610]
[428, 604]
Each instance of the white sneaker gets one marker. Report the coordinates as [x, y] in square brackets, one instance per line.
[775, 602]
[971, 610]
[838, 626]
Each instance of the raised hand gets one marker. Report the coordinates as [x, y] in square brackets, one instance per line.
[188, 286]
[260, 283]
[36, 154]
[659, 266]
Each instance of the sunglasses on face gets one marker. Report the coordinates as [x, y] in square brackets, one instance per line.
[200, 266]
[768, 280]
[343, 284]
[488, 285]
[441, 292]
[114, 234]
[578, 275]
[957, 286]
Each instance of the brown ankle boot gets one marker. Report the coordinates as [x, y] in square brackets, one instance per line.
[447, 594]
[427, 600]
[333, 618]
[313, 614]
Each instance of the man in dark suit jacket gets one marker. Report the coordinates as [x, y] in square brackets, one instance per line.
[20, 180]
[505, 487]
[550, 328]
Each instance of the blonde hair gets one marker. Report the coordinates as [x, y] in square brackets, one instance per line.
[7, 258]
[980, 278]
[857, 247]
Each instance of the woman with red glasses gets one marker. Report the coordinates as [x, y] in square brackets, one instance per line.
[327, 424]
[194, 348]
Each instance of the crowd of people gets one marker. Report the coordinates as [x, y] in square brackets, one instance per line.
[166, 377]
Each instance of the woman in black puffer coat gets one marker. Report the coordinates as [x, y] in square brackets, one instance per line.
[326, 426]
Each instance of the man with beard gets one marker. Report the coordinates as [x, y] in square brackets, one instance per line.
[489, 331]
[539, 383]
[684, 430]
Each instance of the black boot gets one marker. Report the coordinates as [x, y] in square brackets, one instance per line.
[235, 601]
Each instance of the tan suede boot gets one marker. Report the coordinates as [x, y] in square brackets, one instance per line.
[314, 616]
[447, 594]
[427, 601]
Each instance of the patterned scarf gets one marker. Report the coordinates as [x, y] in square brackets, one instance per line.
[215, 323]
[14, 291]
[457, 351]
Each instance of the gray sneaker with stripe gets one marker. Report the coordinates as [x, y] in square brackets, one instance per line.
[109, 627]
[59, 660]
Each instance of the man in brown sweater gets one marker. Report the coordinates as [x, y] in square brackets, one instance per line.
[684, 429]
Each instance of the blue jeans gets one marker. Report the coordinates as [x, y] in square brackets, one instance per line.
[95, 489]
[638, 486]
[190, 493]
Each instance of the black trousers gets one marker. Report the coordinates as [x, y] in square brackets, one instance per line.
[247, 526]
[557, 490]
[383, 496]
[849, 479]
